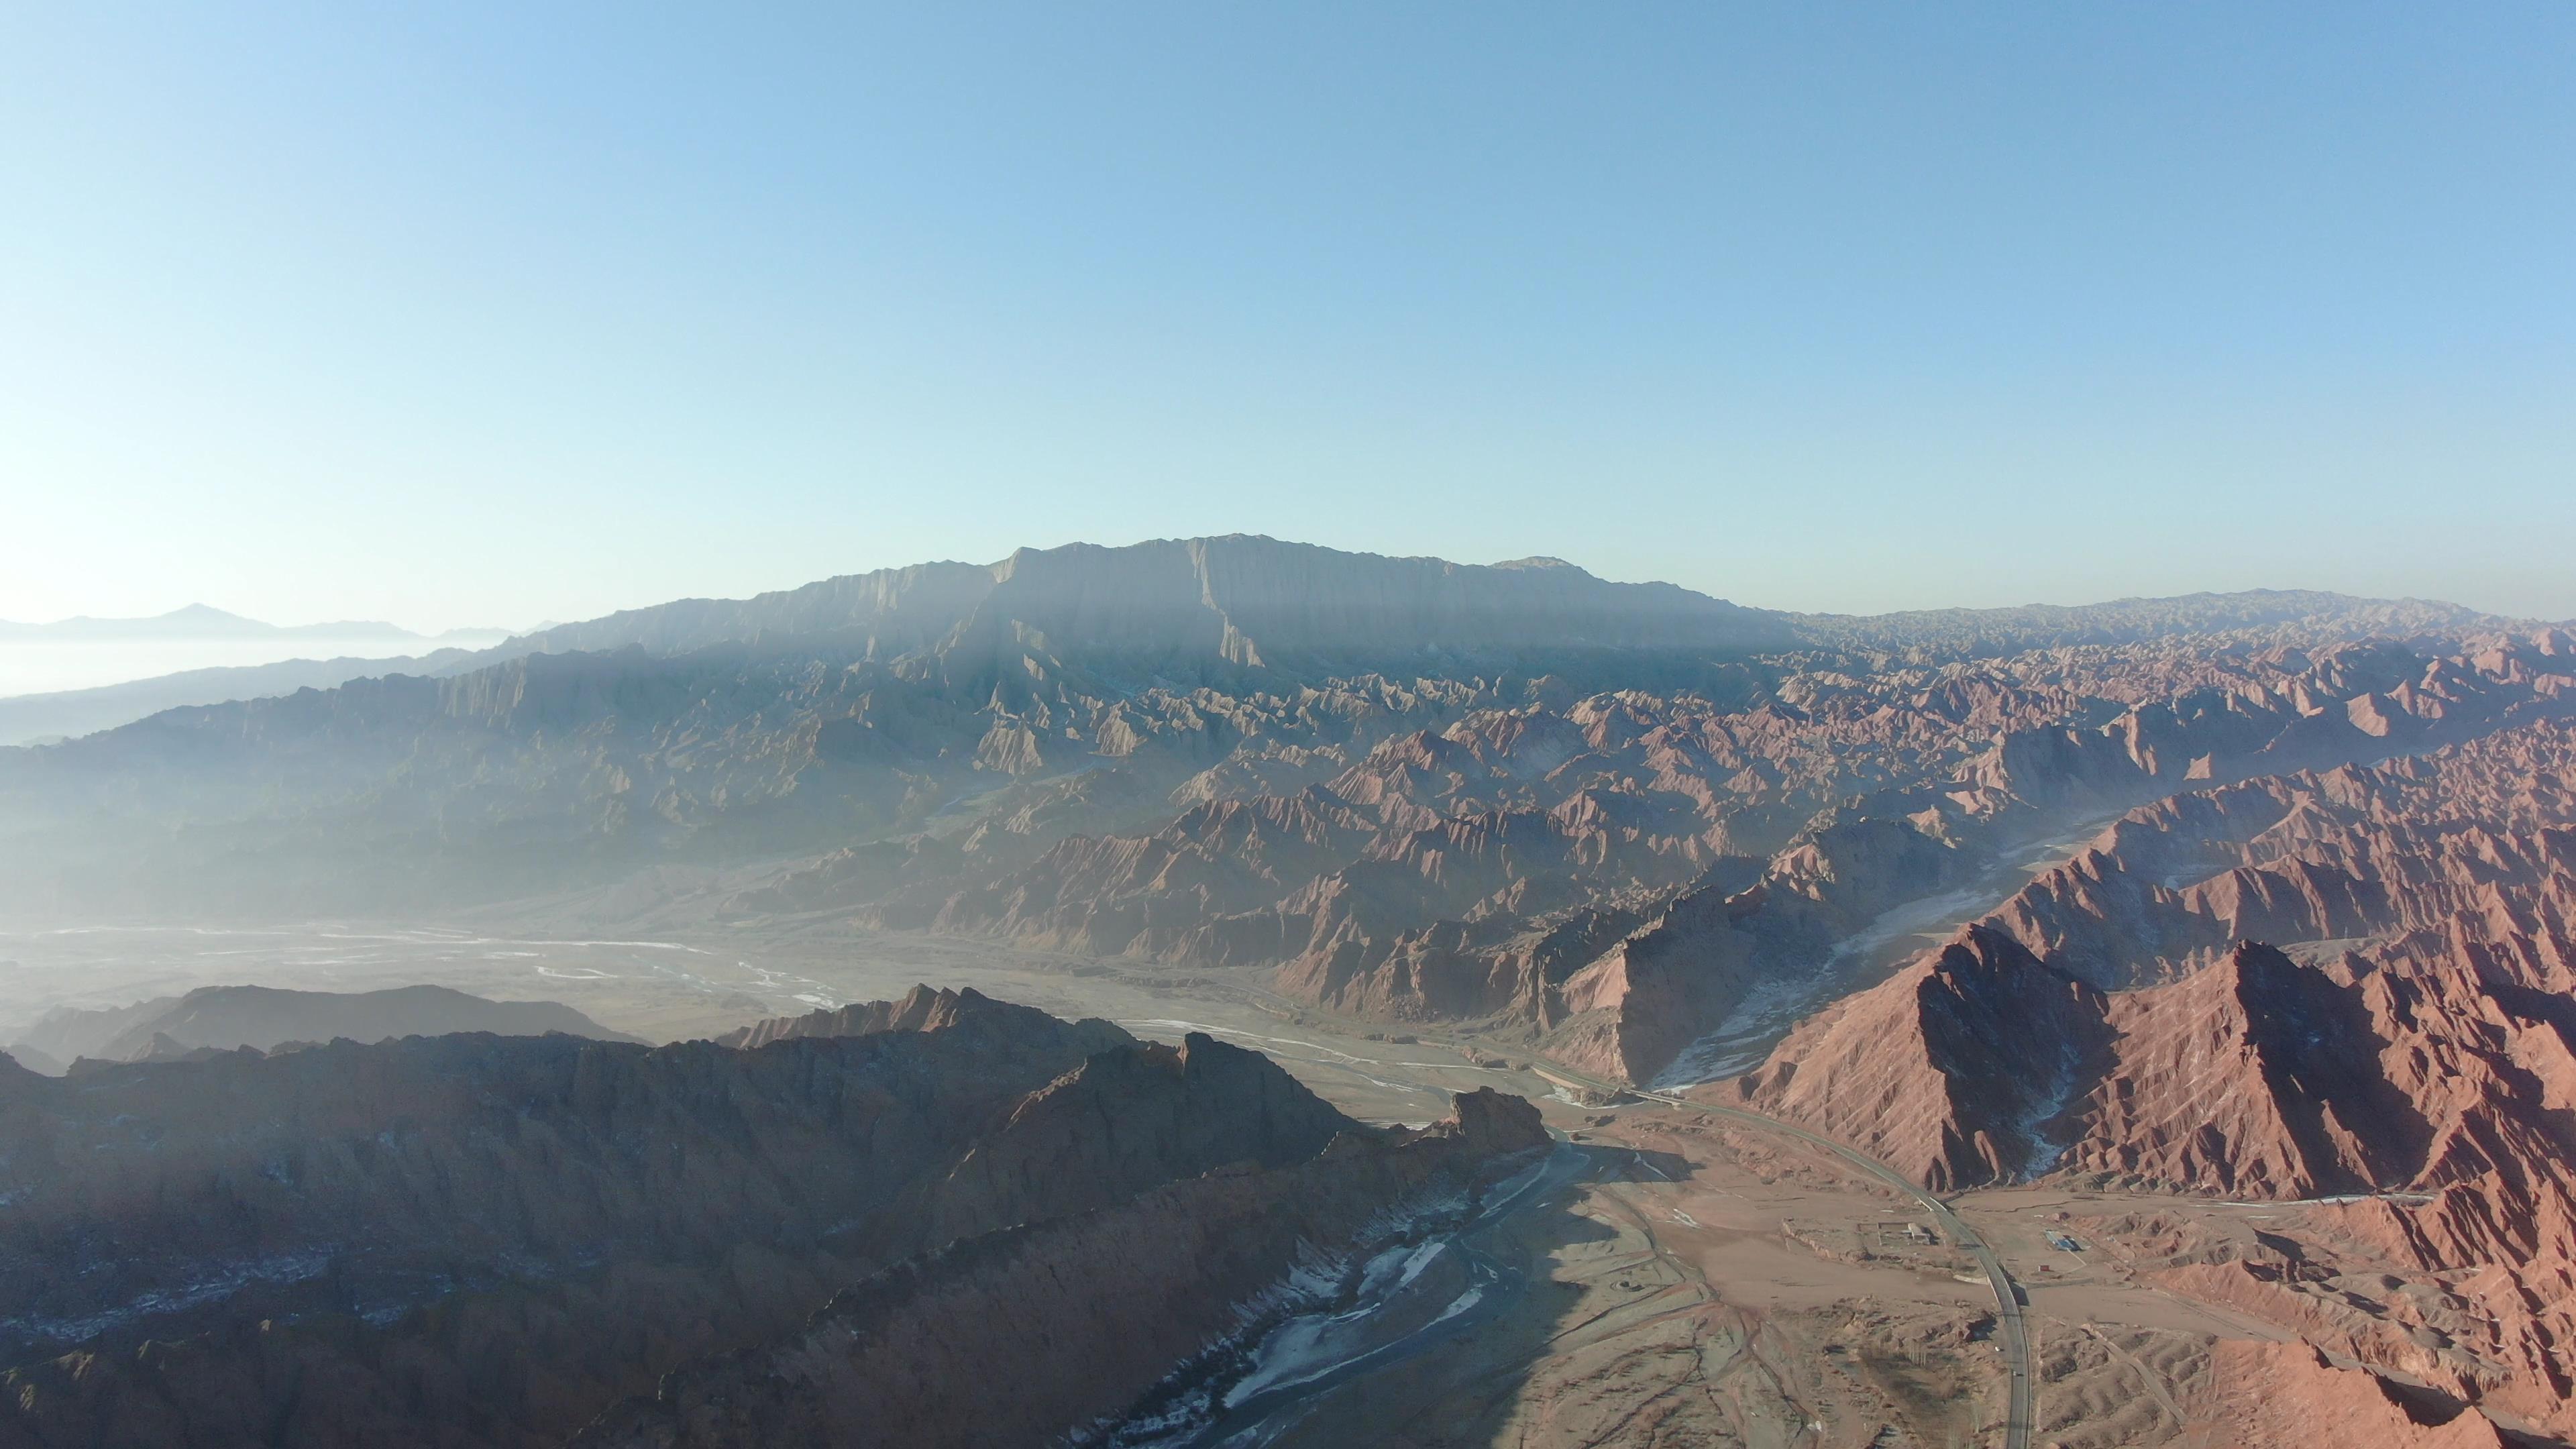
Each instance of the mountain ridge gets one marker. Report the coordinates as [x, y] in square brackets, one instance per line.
[204, 621]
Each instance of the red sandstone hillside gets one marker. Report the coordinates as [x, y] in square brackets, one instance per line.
[2418, 1035]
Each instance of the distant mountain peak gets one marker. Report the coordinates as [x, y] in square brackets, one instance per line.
[1233, 601]
[208, 613]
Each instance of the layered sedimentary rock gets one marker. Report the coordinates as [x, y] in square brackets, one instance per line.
[2475, 836]
[480, 1239]
[1954, 1071]
[1615, 874]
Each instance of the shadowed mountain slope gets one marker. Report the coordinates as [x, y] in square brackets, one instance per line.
[491, 1240]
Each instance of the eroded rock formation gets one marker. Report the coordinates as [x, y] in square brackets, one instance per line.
[2410, 1043]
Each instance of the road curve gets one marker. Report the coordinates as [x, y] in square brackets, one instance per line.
[2008, 1301]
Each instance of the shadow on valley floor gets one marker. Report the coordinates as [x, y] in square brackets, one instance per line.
[1601, 1336]
[1468, 1389]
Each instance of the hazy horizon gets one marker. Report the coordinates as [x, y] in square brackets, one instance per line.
[311, 642]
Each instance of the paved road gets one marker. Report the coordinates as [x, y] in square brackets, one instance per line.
[2008, 1303]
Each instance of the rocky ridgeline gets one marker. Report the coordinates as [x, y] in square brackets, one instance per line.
[223, 1018]
[1406, 787]
[480, 1239]
[2353, 981]
[1087, 1312]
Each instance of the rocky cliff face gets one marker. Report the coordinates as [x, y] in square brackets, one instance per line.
[477, 1239]
[1955, 1071]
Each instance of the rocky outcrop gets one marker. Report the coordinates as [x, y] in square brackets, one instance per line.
[924, 1008]
[907, 1358]
[489, 1240]
[2479, 833]
[2417, 1037]
[1120, 1123]
[2258, 1075]
[1957, 1071]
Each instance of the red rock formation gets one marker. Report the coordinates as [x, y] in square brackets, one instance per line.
[1955, 1071]
[2425, 1047]
[2422, 1041]
[2477, 834]
[2287, 1393]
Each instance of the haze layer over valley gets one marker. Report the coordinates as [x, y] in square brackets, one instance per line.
[82, 655]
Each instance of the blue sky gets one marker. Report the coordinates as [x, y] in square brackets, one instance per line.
[472, 314]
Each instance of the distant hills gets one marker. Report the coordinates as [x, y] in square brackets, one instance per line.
[1217, 607]
[77, 676]
[983, 712]
[200, 621]
[222, 1018]
[1203, 603]
[68, 714]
